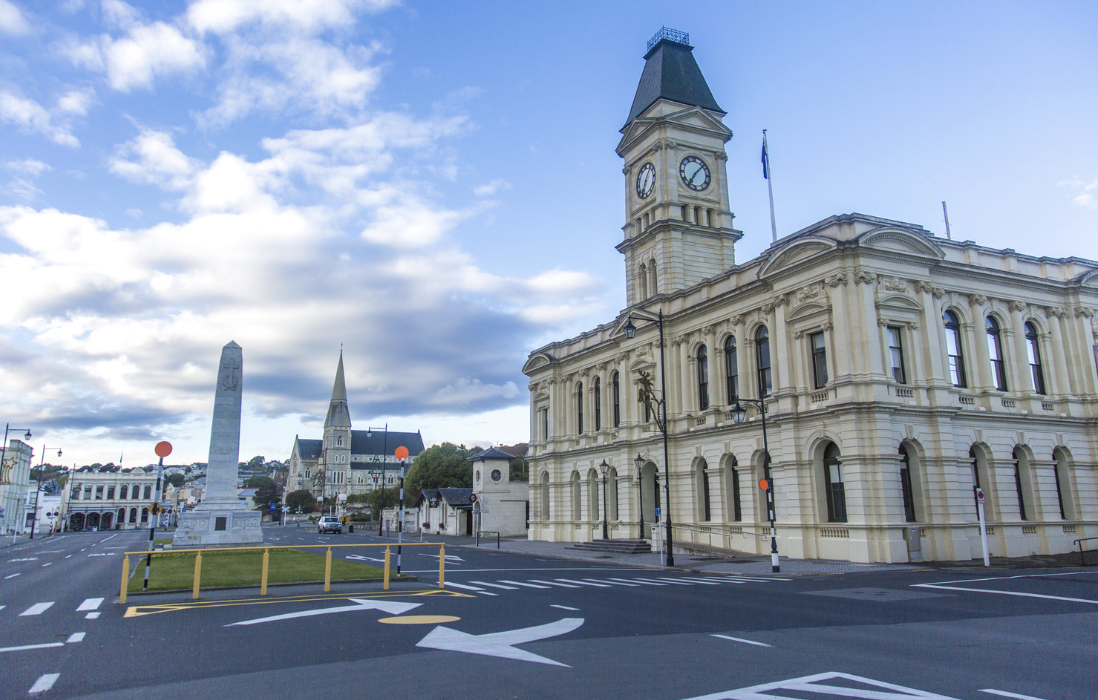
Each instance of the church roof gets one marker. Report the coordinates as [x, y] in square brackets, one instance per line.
[377, 442]
[671, 73]
[491, 453]
[309, 449]
[339, 415]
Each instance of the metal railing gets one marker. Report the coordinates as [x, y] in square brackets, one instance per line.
[266, 561]
[726, 532]
[1082, 552]
[486, 532]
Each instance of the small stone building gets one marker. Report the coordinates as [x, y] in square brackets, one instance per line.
[502, 505]
[447, 511]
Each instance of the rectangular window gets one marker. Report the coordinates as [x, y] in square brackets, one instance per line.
[99, 493]
[87, 493]
[148, 491]
[544, 413]
[896, 355]
[835, 491]
[110, 493]
[819, 359]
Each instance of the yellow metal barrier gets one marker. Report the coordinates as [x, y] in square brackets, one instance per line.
[266, 563]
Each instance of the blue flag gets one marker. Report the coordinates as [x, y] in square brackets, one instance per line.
[766, 161]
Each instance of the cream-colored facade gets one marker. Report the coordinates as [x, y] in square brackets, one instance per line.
[900, 370]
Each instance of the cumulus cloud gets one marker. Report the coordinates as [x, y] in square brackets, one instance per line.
[28, 166]
[12, 20]
[33, 117]
[153, 158]
[223, 16]
[491, 188]
[1086, 193]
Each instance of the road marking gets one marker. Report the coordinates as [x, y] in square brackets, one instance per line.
[703, 581]
[638, 581]
[519, 583]
[1014, 593]
[362, 558]
[108, 538]
[90, 604]
[24, 559]
[11, 576]
[815, 686]
[737, 639]
[92, 616]
[449, 557]
[108, 554]
[551, 583]
[44, 683]
[732, 580]
[75, 637]
[617, 583]
[462, 585]
[68, 556]
[390, 606]
[565, 607]
[36, 609]
[49, 563]
[664, 582]
[32, 646]
[494, 585]
[675, 581]
[2, 607]
[1005, 694]
[500, 644]
[585, 583]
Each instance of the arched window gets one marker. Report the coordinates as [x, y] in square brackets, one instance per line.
[144, 515]
[732, 490]
[642, 278]
[1064, 494]
[834, 488]
[545, 515]
[579, 408]
[1019, 458]
[731, 370]
[123, 493]
[954, 349]
[135, 492]
[653, 288]
[995, 353]
[905, 485]
[593, 496]
[703, 379]
[615, 391]
[701, 473]
[576, 498]
[339, 441]
[1034, 352]
[819, 359]
[762, 361]
[598, 404]
[148, 491]
[975, 479]
[612, 494]
[133, 515]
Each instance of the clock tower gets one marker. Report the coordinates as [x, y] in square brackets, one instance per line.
[678, 228]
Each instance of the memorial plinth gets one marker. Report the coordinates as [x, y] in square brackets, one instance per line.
[222, 518]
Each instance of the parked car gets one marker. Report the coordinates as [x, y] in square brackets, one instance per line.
[329, 523]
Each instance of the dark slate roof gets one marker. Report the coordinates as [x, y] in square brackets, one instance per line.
[671, 72]
[425, 495]
[375, 442]
[490, 453]
[309, 449]
[456, 497]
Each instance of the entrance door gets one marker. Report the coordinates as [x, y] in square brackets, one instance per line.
[105, 521]
[650, 497]
[468, 522]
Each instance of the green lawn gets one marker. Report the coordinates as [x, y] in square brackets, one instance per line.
[171, 571]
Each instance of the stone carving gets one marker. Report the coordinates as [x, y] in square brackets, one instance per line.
[894, 284]
[864, 276]
[882, 322]
[977, 300]
[913, 325]
[1017, 305]
[737, 319]
[1057, 311]
[836, 279]
[1084, 311]
[809, 293]
[798, 335]
[766, 308]
[827, 326]
[720, 155]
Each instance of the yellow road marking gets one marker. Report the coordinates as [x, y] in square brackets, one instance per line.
[142, 610]
[419, 620]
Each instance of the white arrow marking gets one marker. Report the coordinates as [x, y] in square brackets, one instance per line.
[389, 606]
[449, 557]
[500, 644]
[816, 685]
[362, 558]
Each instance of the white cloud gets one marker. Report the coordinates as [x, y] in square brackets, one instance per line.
[23, 188]
[12, 20]
[153, 158]
[28, 166]
[1087, 192]
[31, 116]
[223, 16]
[75, 102]
[465, 391]
[491, 188]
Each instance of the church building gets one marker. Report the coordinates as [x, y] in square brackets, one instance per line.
[348, 461]
[902, 374]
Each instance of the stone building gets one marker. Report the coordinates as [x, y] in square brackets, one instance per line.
[899, 371]
[348, 461]
[14, 478]
[105, 498]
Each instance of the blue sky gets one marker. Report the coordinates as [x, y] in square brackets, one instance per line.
[434, 185]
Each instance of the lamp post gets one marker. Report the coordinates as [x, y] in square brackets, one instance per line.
[739, 413]
[3, 456]
[639, 461]
[377, 485]
[605, 513]
[38, 488]
[631, 331]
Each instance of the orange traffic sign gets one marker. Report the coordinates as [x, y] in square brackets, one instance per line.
[401, 452]
[763, 484]
[163, 448]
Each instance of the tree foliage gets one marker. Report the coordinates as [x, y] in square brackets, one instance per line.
[258, 481]
[302, 499]
[380, 499]
[175, 480]
[441, 466]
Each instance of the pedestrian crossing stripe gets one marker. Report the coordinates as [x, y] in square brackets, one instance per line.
[479, 587]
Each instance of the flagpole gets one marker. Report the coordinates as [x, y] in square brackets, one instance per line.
[769, 187]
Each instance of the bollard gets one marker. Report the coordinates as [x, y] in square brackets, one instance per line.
[197, 574]
[125, 580]
[263, 578]
[385, 583]
[441, 565]
[328, 570]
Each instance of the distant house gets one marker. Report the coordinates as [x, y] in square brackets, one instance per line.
[447, 511]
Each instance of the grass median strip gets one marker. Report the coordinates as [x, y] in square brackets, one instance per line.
[171, 571]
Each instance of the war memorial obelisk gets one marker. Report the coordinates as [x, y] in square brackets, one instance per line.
[222, 518]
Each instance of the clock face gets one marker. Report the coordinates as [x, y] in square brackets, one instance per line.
[694, 173]
[646, 180]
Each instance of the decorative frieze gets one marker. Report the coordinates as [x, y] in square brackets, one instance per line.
[977, 299]
[836, 279]
[1057, 311]
[928, 287]
[1017, 305]
[1084, 311]
[864, 276]
[893, 284]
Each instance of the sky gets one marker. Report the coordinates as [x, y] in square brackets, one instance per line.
[433, 187]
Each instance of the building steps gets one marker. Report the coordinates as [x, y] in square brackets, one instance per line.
[620, 546]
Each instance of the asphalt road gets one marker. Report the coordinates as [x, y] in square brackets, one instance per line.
[521, 626]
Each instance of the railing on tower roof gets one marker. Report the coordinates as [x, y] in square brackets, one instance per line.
[671, 35]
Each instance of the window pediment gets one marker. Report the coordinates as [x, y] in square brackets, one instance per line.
[537, 362]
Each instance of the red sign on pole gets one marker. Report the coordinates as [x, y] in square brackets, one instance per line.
[401, 452]
[163, 449]
[764, 484]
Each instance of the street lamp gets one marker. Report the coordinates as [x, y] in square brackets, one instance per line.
[739, 413]
[605, 513]
[630, 332]
[34, 519]
[377, 499]
[639, 461]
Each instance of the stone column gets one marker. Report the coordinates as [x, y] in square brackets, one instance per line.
[1023, 378]
[1061, 379]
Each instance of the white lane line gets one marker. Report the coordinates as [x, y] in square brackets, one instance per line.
[640, 581]
[494, 585]
[49, 563]
[585, 583]
[68, 556]
[32, 646]
[2, 607]
[1005, 694]
[470, 588]
[1015, 593]
[90, 604]
[11, 576]
[108, 538]
[92, 616]
[44, 683]
[75, 637]
[551, 583]
[520, 583]
[36, 609]
[615, 583]
[668, 580]
[743, 641]
[731, 580]
[24, 559]
[565, 607]
[703, 581]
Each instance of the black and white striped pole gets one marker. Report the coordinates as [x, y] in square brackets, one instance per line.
[401, 454]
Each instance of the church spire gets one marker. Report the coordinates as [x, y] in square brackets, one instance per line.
[339, 416]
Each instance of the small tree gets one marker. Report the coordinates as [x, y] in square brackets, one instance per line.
[302, 499]
[175, 480]
[380, 499]
[256, 462]
[441, 466]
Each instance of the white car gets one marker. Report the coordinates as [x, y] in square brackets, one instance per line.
[329, 523]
